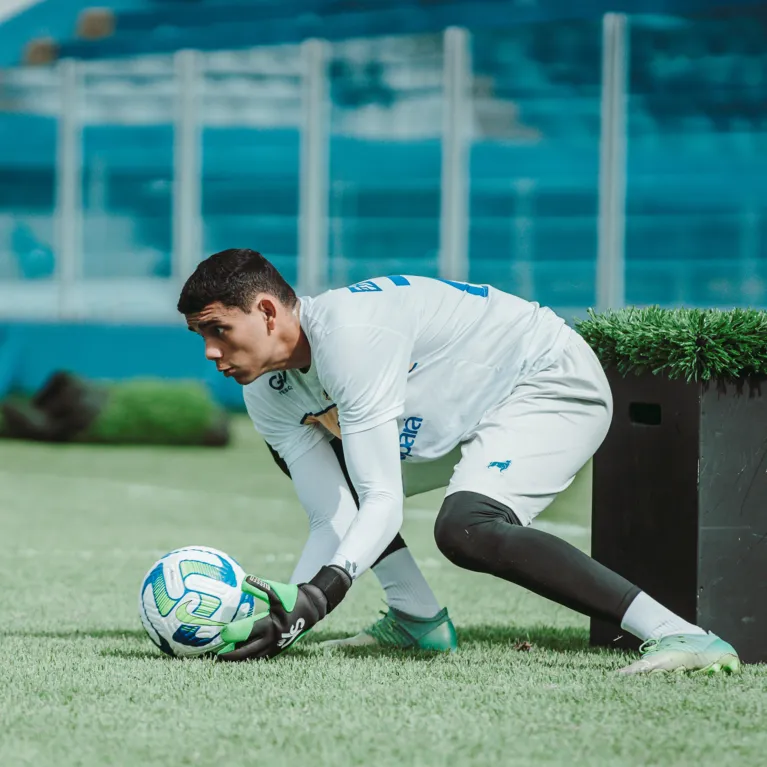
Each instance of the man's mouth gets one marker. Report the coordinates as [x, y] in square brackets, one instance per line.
[228, 372]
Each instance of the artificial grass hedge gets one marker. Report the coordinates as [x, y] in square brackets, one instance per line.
[157, 412]
[694, 344]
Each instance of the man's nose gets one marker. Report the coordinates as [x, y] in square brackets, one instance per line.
[212, 352]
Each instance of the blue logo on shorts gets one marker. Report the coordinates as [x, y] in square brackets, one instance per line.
[501, 465]
[407, 436]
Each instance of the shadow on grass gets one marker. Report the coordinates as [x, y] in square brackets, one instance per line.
[570, 639]
[136, 654]
[147, 652]
[546, 637]
[78, 634]
[521, 638]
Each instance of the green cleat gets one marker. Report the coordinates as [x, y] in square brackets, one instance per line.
[680, 653]
[401, 631]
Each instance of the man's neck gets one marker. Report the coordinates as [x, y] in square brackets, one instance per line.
[301, 357]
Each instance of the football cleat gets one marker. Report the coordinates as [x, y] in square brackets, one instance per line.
[681, 653]
[398, 630]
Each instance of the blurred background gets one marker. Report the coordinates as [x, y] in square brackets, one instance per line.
[577, 154]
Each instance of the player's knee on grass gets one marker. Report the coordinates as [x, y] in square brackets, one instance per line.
[466, 529]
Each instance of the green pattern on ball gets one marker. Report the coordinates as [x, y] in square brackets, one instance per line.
[193, 567]
[162, 599]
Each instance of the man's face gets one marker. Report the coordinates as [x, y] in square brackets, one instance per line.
[242, 344]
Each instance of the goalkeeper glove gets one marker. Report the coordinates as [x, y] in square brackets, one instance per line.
[293, 610]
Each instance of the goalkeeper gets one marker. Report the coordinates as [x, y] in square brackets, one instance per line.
[416, 368]
[300, 426]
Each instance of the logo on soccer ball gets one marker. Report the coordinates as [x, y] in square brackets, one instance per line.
[500, 465]
[190, 619]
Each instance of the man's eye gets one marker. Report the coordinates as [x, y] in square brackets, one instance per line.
[219, 331]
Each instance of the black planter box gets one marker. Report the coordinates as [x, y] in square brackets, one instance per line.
[680, 504]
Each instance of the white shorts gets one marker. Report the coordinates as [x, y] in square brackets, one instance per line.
[528, 449]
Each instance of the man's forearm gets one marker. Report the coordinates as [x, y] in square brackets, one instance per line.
[325, 496]
[373, 462]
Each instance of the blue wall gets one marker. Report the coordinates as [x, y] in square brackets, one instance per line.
[31, 352]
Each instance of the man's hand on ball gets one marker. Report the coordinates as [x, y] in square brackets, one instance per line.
[293, 610]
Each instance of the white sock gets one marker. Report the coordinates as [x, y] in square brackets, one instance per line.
[404, 585]
[648, 619]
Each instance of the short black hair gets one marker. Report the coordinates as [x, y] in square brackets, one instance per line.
[233, 277]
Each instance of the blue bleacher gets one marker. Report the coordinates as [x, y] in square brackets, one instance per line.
[697, 163]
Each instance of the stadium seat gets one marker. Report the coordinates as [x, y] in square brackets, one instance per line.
[696, 166]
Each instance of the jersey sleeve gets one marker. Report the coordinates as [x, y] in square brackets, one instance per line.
[278, 421]
[364, 370]
[324, 493]
[373, 462]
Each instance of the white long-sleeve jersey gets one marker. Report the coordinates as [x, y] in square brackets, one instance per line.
[403, 368]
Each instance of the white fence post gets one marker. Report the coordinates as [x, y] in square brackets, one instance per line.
[314, 171]
[611, 264]
[69, 202]
[187, 167]
[456, 137]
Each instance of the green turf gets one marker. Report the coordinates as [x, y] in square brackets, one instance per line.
[82, 685]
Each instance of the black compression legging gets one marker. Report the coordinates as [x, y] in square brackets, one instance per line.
[480, 534]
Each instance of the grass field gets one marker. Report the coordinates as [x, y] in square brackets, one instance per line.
[82, 685]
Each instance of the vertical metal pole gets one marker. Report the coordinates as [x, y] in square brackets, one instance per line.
[69, 174]
[524, 223]
[337, 211]
[456, 135]
[313, 169]
[187, 168]
[611, 289]
[750, 247]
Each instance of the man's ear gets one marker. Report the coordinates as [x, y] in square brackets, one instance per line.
[267, 306]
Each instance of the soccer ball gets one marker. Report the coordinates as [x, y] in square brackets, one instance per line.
[188, 596]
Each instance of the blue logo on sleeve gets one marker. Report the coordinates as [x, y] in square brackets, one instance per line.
[500, 465]
[365, 287]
